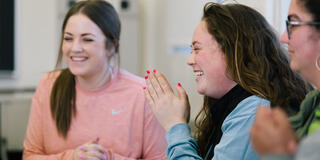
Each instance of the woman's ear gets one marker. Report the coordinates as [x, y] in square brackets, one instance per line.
[116, 46]
[111, 51]
[111, 48]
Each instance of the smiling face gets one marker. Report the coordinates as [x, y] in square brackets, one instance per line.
[304, 42]
[84, 47]
[209, 64]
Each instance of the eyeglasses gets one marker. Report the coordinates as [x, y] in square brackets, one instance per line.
[291, 24]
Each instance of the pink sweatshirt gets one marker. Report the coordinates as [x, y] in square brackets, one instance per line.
[117, 113]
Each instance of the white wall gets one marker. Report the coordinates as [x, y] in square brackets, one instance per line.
[14, 118]
[130, 53]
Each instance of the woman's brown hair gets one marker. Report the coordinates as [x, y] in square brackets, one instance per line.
[313, 7]
[63, 94]
[255, 60]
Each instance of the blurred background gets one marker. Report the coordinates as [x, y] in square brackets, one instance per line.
[156, 34]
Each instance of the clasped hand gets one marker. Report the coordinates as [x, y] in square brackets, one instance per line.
[271, 132]
[168, 108]
[92, 151]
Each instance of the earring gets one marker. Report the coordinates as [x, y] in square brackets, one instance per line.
[317, 63]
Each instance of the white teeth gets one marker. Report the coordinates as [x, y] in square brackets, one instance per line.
[79, 58]
[199, 73]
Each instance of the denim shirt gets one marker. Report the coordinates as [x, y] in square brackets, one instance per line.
[235, 141]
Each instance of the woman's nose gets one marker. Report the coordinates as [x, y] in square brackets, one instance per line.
[284, 37]
[190, 60]
[77, 47]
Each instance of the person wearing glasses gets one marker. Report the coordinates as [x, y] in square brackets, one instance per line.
[239, 65]
[273, 137]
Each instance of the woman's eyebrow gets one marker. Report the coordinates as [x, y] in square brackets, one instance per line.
[293, 16]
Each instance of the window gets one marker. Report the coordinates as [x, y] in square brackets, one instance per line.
[6, 35]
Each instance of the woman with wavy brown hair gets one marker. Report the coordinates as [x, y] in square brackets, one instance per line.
[255, 60]
[240, 65]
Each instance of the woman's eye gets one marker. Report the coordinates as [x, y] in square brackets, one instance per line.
[196, 49]
[87, 40]
[67, 38]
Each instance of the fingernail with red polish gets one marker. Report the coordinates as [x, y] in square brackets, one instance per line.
[179, 84]
[146, 77]
[154, 71]
[144, 88]
[148, 72]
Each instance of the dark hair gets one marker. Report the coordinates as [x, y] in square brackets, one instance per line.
[255, 60]
[313, 7]
[63, 94]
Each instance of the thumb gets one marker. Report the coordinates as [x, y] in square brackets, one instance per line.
[96, 141]
[184, 97]
[181, 92]
[292, 147]
[280, 115]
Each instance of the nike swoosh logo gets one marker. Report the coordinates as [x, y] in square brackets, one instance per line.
[114, 112]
